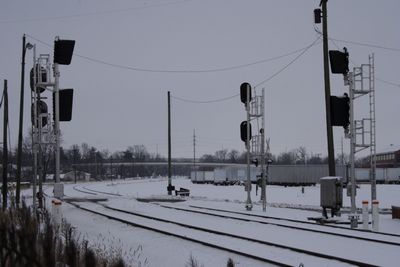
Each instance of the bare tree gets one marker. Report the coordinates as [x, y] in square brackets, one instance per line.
[233, 156]
[221, 155]
[47, 154]
[85, 152]
[301, 155]
[286, 158]
[139, 152]
[315, 159]
[207, 158]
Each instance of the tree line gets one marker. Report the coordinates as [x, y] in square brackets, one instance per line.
[105, 164]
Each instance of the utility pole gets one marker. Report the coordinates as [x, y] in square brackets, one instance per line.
[34, 129]
[353, 215]
[194, 154]
[132, 169]
[329, 130]
[156, 151]
[5, 144]
[169, 188]
[111, 168]
[95, 164]
[21, 119]
[74, 151]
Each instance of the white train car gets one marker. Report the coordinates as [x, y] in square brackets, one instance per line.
[227, 175]
[255, 173]
[393, 176]
[232, 173]
[292, 175]
[220, 176]
[362, 175]
[197, 177]
[382, 175]
[295, 174]
[287, 175]
[208, 177]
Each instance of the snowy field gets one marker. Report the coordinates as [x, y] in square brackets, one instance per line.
[143, 247]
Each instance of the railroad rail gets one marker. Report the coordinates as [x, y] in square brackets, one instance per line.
[82, 191]
[208, 244]
[101, 192]
[291, 220]
[216, 232]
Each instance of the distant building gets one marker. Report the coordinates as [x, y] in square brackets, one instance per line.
[70, 176]
[388, 157]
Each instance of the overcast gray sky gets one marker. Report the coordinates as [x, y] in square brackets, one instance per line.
[118, 107]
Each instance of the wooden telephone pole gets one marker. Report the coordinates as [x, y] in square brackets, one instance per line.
[5, 145]
[329, 130]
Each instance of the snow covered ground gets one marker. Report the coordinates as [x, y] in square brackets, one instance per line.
[141, 247]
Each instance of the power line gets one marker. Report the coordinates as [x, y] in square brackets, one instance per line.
[378, 79]
[264, 81]
[40, 41]
[205, 101]
[367, 45]
[290, 63]
[228, 68]
[303, 50]
[90, 13]
[359, 43]
[2, 98]
[387, 82]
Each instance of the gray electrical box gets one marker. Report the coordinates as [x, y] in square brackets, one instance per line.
[59, 190]
[331, 194]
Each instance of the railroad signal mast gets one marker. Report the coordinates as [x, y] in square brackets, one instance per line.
[42, 129]
[362, 133]
[46, 135]
[255, 144]
[258, 152]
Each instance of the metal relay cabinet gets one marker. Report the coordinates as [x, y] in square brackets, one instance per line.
[331, 194]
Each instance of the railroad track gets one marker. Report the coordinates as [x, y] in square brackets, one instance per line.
[244, 241]
[101, 192]
[290, 220]
[396, 243]
[157, 230]
[82, 191]
[316, 227]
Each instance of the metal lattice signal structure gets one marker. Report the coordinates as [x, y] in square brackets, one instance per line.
[257, 112]
[46, 133]
[42, 128]
[362, 131]
[372, 128]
